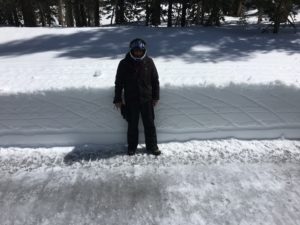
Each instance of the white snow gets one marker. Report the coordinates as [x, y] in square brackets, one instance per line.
[195, 182]
[200, 53]
[218, 86]
[57, 84]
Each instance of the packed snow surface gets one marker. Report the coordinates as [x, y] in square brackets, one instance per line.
[195, 182]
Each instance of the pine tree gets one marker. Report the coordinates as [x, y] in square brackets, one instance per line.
[9, 13]
[278, 11]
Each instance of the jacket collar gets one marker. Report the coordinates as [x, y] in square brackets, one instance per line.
[131, 58]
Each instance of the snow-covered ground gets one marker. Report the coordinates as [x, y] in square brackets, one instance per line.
[57, 84]
[195, 182]
[218, 86]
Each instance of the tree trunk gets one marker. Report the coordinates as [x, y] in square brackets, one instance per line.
[183, 13]
[198, 13]
[83, 15]
[96, 13]
[214, 18]
[120, 12]
[10, 19]
[277, 17]
[89, 19]
[77, 13]
[155, 12]
[170, 13]
[260, 15]
[42, 14]
[276, 27]
[9, 13]
[177, 20]
[69, 13]
[60, 12]
[28, 13]
[147, 13]
[202, 12]
[48, 15]
[16, 18]
[239, 8]
[112, 16]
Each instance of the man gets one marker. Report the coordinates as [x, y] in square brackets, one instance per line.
[138, 76]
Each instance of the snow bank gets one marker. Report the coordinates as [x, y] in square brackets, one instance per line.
[77, 116]
[56, 85]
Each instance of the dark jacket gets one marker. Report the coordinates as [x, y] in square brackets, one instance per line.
[139, 79]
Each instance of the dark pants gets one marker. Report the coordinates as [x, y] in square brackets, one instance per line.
[147, 112]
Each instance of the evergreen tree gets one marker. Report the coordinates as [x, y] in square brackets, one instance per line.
[278, 11]
[176, 13]
[9, 13]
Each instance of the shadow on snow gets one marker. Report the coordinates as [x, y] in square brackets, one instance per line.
[196, 44]
[92, 152]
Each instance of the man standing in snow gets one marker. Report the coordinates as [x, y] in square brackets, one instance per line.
[138, 76]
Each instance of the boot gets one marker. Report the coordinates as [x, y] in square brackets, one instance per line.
[155, 151]
[131, 152]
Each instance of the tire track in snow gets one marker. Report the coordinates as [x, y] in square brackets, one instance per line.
[79, 116]
[83, 117]
[235, 106]
[260, 104]
[93, 104]
[184, 113]
[202, 105]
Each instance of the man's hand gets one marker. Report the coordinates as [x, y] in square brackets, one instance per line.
[118, 105]
[154, 102]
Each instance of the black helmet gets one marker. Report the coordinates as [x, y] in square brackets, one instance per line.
[138, 44]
